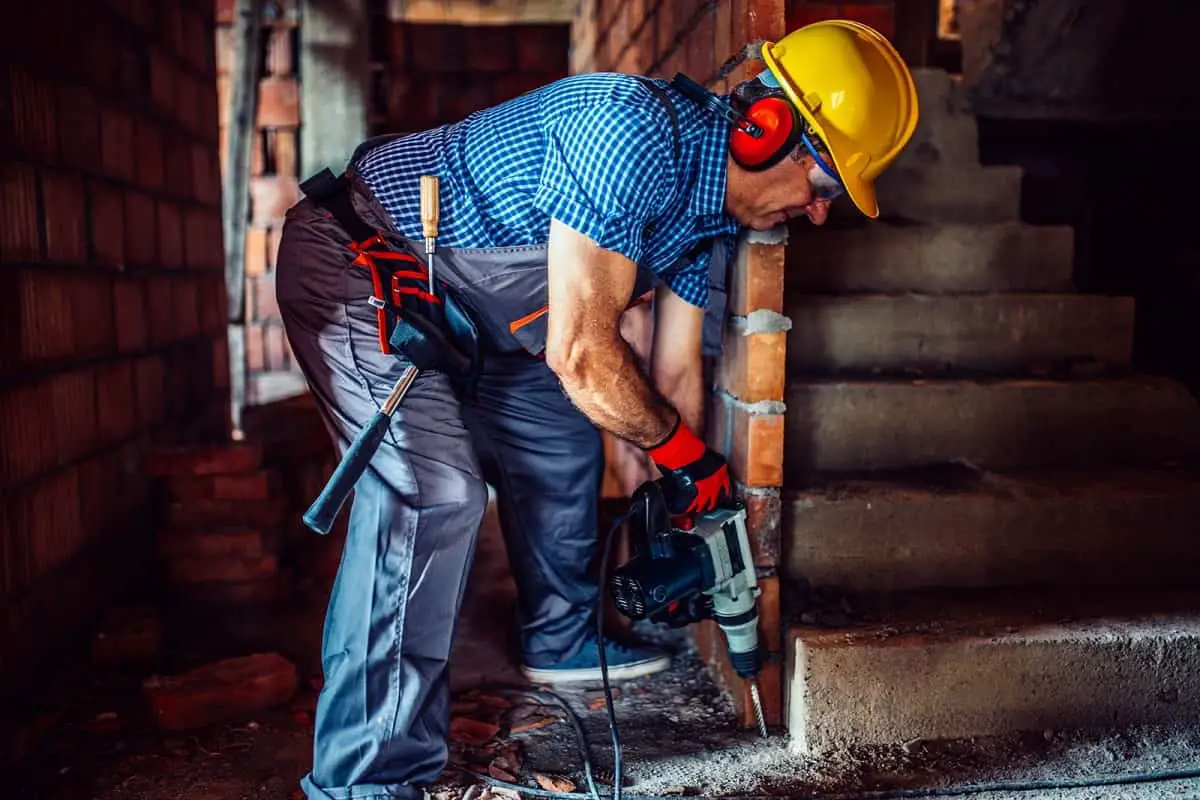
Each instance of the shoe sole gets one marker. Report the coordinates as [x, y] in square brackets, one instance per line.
[625, 672]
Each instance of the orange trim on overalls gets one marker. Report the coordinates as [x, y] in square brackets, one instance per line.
[513, 327]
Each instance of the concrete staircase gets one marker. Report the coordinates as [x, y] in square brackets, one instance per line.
[992, 523]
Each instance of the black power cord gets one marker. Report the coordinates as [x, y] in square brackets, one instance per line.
[608, 698]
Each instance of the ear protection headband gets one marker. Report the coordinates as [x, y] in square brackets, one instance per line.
[762, 136]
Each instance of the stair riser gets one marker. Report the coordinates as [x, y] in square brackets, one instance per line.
[912, 540]
[933, 259]
[948, 193]
[918, 688]
[946, 132]
[1000, 333]
[864, 425]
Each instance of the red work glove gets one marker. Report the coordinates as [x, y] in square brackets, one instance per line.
[698, 475]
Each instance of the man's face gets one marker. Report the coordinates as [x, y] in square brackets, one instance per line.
[788, 190]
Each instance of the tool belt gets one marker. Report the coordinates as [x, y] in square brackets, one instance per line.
[430, 329]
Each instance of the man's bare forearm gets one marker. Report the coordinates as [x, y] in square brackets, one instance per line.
[603, 381]
[686, 393]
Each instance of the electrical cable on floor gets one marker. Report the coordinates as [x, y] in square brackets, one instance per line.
[608, 699]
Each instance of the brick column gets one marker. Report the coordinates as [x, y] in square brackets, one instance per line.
[746, 423]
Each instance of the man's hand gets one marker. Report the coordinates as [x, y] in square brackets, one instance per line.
[589, 288]
[695, 477]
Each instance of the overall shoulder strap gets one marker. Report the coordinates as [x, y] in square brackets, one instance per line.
[661, 94]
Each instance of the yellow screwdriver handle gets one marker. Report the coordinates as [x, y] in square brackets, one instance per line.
[429, 206]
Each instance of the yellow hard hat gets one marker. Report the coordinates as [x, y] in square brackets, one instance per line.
[849, 83]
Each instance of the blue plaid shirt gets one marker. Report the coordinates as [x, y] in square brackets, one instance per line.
[595, 151]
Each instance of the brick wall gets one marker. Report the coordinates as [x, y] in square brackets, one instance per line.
[430, 74]
[112, 297]
[271, 371]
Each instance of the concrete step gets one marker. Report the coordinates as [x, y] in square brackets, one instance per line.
[954, 667]
[958, 528]
[993, 424]
[1011, 333]
[950, 193]
[933, 259]
[946, 132]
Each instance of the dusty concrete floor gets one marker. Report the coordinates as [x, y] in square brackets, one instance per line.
[677, 732]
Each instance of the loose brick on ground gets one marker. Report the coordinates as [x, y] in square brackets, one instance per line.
[210, 459]
[220, 691]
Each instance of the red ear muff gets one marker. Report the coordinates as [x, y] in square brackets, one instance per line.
[781, 132]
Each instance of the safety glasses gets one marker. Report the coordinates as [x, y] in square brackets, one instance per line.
[823, 178]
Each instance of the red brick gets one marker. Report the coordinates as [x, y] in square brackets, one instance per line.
[197, 44]
[273, 240]
[27, 449]
[222, 568]
[433, 43]
[207, 513]
[221, 365]
[701, 51]
[206, 105]
[256, 252]
[186, 111]
[224, 99]
[670, 19]
[178, 173]
[73, 401]
[282, 143]
[880, 16]
[256, 348]
[758, 279]
[19, 239]
[45, 325]
[185, 303]
[64, 221]
[274, 348]
[754, 366]
[170, 235]
[116, 143]
[278, 103]
[225, 9]
[756, 458]
[800, 14]
[271, 197]
[217, 692]
[79, 126]
[739, 25]
[261, 485]
[764, 515]
[214, 545]
[225, 51]
[281, 59]
[161, 316]
[208, 459]
[202, 238]
[463, 95]
[206, 175]
[258, 158]
[107, 224]
[398, 46]
[115, 401]
[97, 336]
[170, 19]
[213, 303]
[129, 312]
[149, 376]
[33, 100]
[186, 488]
[489, 48]
[766, 20]
[543, 48]
[51, 518]
[141, 229]
[149, 167]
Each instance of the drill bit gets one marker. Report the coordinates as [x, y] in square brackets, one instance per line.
[758, 712]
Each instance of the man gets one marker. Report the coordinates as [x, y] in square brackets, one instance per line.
[558, 210]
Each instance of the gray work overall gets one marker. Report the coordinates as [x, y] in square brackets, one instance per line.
[383, 715]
